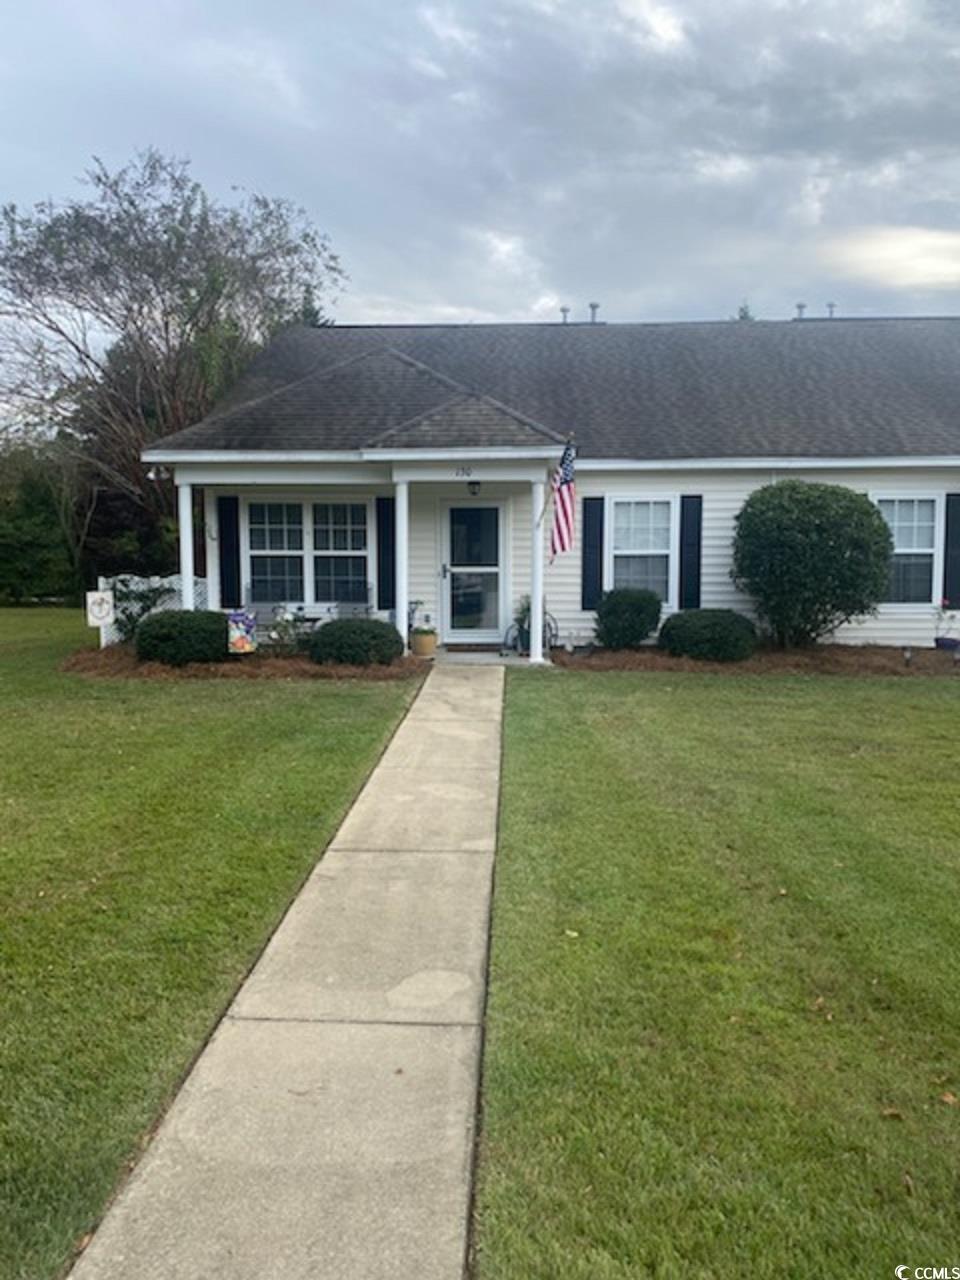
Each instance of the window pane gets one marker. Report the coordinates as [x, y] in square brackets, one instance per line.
[276, 526]
[338, 526]
[648, 572]
[474, 535]
[276, 579]
[911, 579]
[475, 601]
[912, 522]
[340, 579]
[641, 526]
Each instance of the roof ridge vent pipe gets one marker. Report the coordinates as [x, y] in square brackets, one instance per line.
[565, 312]
[801, 308]
[594, 307]
[831, 310]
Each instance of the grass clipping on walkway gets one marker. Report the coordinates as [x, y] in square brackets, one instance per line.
[152, 836]
[724, 1020]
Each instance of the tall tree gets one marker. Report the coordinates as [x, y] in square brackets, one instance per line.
[34, 555]
[126, 313]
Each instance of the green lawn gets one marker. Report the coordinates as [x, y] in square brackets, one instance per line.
[725, 993]
[151, 835]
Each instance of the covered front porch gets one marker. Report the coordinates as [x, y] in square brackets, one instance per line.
[453, 543]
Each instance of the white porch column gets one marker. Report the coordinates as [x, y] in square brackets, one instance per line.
[402, 553]
[211, 534]
[185, 521]
[536, 571]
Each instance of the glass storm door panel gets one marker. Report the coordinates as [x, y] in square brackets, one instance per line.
[474, 573]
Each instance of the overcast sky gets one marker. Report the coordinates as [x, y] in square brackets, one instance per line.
[495, 159]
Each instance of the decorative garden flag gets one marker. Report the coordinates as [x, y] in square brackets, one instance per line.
[241, 631]
[564, 503]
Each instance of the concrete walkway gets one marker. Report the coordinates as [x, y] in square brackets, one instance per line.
[327, 1129]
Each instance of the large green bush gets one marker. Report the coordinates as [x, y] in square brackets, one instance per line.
[715, 635]
[179, 636]
[812, 556]
[360, 642]
[626, 616]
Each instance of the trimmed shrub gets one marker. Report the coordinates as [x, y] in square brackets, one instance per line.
[358, 642]
[715, 635]
[626, 616]
[812, 556]
[179, 636]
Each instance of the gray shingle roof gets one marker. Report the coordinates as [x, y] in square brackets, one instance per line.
[726, 389]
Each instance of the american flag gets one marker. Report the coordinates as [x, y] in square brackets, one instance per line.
[564, 503]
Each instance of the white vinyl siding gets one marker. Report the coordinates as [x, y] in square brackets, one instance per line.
[724, 493]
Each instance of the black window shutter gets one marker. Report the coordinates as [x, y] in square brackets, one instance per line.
[591, 568]
[386, 554]
[228, 536]
[691, 527]
[951, 559]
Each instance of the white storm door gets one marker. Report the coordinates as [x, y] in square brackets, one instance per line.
[473, 575]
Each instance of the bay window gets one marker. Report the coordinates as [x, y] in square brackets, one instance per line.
[642, 547]
[913, 525]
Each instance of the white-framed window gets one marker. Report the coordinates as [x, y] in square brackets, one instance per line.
[276, 530]
[642, 544]
[308, 552]
[916, 525]
[340, 552]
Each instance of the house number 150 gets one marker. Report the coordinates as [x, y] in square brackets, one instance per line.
[463, 473]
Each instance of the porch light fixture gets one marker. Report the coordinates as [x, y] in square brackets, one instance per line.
[473, 488]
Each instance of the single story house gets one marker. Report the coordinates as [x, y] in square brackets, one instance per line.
[383, 465]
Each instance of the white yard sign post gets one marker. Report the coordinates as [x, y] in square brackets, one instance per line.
[101, 611]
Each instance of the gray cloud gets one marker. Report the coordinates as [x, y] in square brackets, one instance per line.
[492, 160]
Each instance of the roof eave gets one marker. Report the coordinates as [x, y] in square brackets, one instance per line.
[500, 453]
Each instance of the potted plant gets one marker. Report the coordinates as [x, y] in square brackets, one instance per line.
[521, 620]
[946, 622]
[423, 641]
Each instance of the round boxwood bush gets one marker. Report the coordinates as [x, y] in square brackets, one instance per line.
[812, 556]
[626, 616]
[717, 635]
[359, 642]
[179, 636]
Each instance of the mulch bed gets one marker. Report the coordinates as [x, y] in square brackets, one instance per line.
[119, 661]
[824, 659]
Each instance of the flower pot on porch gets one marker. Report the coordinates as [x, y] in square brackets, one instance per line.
[947, 642]
[423, 643]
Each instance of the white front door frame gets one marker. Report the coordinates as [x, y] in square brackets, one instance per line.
[448, 635]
